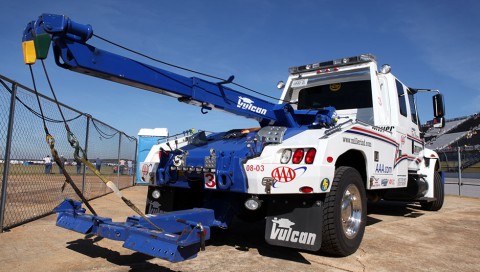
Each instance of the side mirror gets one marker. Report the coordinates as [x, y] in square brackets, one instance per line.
[438, 122]
[438, 106]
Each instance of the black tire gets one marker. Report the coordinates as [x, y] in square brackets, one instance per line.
[438, 193]
[337, 239]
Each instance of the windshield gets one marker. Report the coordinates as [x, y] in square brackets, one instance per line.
[342, 91]
[341, 95]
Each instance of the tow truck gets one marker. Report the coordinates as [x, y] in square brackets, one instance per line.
[343, 131]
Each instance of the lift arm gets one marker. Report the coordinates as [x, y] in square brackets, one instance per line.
[185, 232]
[72, 52]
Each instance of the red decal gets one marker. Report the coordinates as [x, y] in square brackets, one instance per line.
[210, 181]
[256, 168]
[283, 174]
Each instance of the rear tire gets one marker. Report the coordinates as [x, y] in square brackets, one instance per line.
[344, 213]
[438, 193]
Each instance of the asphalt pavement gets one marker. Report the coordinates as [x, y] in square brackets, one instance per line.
[466, 185]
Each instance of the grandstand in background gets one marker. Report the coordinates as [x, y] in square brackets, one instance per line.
[459, 134]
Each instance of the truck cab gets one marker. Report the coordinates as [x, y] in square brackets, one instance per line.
[359, 91]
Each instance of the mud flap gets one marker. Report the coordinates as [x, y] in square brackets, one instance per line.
[292, 223]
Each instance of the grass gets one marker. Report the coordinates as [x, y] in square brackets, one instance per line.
[20, 169]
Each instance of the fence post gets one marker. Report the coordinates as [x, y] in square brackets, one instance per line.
[84, 177]
[134, 164]
[118, 157]
[6, 161]
[459, 171]
[446, 160]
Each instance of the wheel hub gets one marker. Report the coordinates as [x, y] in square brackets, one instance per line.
[351, 211]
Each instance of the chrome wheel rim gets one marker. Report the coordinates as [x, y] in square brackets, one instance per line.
[351, 211]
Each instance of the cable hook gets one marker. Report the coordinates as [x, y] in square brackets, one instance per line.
[205, 107]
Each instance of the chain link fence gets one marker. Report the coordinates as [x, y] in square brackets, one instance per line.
[461, 166]
[30, 188]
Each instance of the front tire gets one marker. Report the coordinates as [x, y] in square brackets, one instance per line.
[438, 193]
[344, 213]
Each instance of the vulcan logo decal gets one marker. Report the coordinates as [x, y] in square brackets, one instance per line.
[247, 104]
[282, 231]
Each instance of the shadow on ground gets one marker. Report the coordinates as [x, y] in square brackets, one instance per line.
[242, 236]
[136, 261]
[392, 208]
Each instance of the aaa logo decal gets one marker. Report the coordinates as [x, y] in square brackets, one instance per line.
[283, 174]
[298, 173]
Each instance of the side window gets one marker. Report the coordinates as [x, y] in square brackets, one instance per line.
[401, 99]
[413, 109]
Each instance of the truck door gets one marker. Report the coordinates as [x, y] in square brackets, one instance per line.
[385, 146]
[406, 128]
[414, 142]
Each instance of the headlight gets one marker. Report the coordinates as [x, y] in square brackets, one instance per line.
[156, 194]
[286, 155]
[253, 203]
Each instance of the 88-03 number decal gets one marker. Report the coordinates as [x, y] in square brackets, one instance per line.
[255, 168]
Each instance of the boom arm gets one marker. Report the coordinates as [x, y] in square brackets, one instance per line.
[72, 52]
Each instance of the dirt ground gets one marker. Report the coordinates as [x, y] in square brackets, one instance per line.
[398, 237]
[31, 196]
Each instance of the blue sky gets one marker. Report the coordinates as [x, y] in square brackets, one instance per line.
[429, 44]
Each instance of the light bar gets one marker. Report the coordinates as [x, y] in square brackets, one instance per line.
[332, 63]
